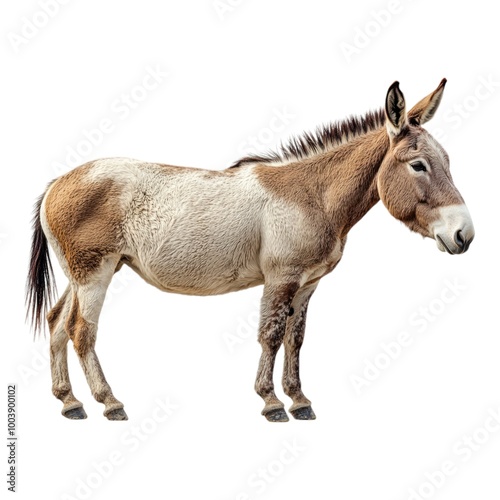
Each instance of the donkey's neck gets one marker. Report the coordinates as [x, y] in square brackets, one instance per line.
[349, 176]
[341, 183]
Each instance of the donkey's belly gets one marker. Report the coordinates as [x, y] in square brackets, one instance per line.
[196, 232]
[195, 276]
[202, 287]
[201, 253]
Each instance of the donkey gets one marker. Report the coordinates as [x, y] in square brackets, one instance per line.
[279, 220]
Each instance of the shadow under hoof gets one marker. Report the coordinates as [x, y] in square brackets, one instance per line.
[305, 413]
[118, 414]
[278, 415]
[75, 414]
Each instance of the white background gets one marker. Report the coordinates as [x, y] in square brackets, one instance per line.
[230, 69]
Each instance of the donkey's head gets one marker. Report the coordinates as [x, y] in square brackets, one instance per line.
[414, 180]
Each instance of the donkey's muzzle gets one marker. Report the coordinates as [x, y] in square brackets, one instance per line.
[453, 230]
[459, 245]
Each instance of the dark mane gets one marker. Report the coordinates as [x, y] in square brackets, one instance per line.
[323, 139]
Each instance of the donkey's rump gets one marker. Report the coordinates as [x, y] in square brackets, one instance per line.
[82, 218]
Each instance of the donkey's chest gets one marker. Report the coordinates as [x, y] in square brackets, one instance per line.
[326, 265]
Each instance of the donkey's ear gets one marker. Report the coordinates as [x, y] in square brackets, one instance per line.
[424, 110]
[395, 110]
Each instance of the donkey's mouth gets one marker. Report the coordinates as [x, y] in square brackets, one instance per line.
[442, 245]
[461, 246]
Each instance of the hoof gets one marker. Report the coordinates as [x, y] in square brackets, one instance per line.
[75, 413]
[304, 413]
[278, 415]
[118, 414]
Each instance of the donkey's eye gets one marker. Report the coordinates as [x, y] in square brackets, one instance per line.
[418, 166]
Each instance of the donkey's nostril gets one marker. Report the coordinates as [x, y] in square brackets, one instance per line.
[459, 240]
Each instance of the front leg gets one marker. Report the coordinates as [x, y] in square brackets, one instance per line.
[275, 309]
[294, 337]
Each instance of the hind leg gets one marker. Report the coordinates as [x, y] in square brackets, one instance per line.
[86, 304]
[61, 385]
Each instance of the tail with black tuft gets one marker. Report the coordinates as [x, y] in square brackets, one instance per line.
[40, 286]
